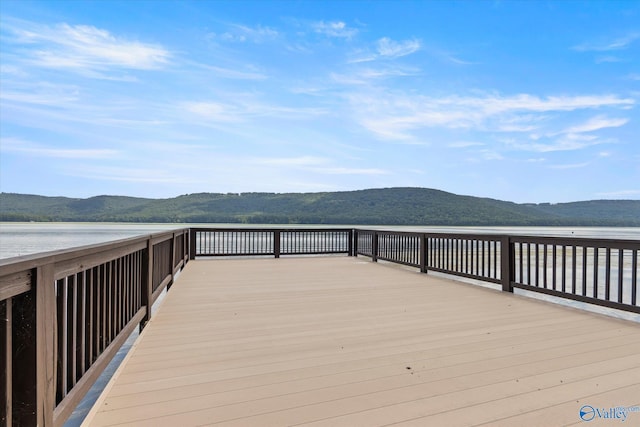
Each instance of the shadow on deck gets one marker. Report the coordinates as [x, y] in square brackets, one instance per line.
[343, 341]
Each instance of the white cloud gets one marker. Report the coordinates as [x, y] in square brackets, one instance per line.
[334, 29]
[244, 107]
[85, 47]
[607, 45]
[567, 142]
[214, 111]
[242, 33]
[607, 59]
[621, 193]
[391, 49]
[596, 123]
[315, 164]
[130, 174]
[19, 146]
[349, 171]
[228, 73]
[569, 166]
[365, 76]
[290, 161]
[397, 115]
[385, 48]
[464, 144]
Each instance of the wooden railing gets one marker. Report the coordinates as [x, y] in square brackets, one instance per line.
[66, 313]
[216, 242]
[603, 272]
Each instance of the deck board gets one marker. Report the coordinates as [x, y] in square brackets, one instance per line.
[334, 341]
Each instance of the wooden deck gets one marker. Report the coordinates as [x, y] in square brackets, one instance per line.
[340, 341]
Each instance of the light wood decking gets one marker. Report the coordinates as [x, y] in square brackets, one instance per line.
[339, 341]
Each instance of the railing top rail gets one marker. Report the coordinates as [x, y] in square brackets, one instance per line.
[267, 229]
[568, 240]
[578, 241]
[15, 264]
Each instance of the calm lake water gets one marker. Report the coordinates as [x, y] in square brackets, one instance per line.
[18, 239]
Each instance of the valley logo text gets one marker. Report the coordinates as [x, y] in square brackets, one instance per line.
[589, 413]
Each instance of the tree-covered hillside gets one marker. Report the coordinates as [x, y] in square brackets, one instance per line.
[391, 206]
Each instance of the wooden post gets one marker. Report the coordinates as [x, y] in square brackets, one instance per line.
[374, 247]
[424, 250]
[353, 242]
[192, 243]
[276, 243]
[26, 409]
[507, 263]
[147, 282]
[186, 244]
[6, 367]
[46, 338]
[173, 261]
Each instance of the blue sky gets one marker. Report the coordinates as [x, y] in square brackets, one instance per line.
[524, 101]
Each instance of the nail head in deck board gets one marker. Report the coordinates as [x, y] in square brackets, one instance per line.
[281, 361]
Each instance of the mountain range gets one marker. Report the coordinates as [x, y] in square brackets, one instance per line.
[386, 206]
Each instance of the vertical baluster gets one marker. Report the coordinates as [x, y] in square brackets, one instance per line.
[90, 317]
[620, 274]
[529, 281]
[495, 258]
[545, 254]
[607, 273]
[564, 268]
[520, 263]
[73, 330]
[63, 331]
[554, 266]
[481, 266]
[595, 272]
[81, 367]
[634, 276]
[583, 249]
[464, 260]
[574, 258]
[537, 265]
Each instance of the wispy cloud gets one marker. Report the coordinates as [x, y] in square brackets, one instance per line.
[317, 165]
[215, 111]
[610, 59]
[569, 166]
[464, 144]
[244, 108]
[350, 171]
[290, 161]
[242, 33]
[568, 142]
[334, 29]
[229, 73]
[386, 48]
[596, 123]
[621, 193]
[41, 93]
[366, 75]
[391, 49]
[131, 174]
[84, 47]
[608, 45]
[397, 115]
[32, 149]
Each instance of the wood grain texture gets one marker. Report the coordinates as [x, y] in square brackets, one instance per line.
[340, 341]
